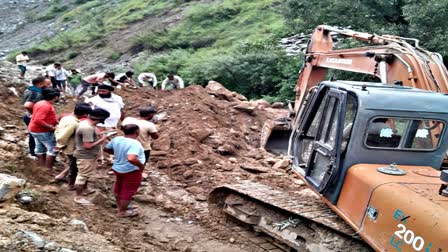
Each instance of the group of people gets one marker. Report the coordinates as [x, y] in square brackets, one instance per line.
[72, 81]
[85, 136]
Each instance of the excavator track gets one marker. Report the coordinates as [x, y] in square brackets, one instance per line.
[297, 218]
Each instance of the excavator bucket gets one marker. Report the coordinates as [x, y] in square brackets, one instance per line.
[275, 136]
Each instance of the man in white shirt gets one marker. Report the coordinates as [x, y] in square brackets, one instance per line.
[147, 80]
[126, 79]
[22, 60]
[148, 130]
[60, 76]
[172, 82]
[110, 102]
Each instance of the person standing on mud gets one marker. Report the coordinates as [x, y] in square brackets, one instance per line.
[30, 97]
[128, 166]
[172, 82]
[88, 143]
[60, 75]
[65, 140]
[42, 126]
[148, 129]
[22, 60]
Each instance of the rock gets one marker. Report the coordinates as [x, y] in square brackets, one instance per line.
[226, 150]
[80, 225]
[10, 126]
[51, 189]
[36, 239]
[282, 164]
[254, 128]
[2, 129]
[162, 164]
[260, 103]
[51, 246]
[254, 169]
[233, 160]
[299, 182]
[271, 160]
[158, 153]
[201, 197]
[245, 107]
[188, 174]
[220, 92]
[255, 154]
[10, 186]
[162, 144]
[195, 190]
[278, 105]
[200, 134]
[144, 198]
[190, 161]
[232, 240]
[65, 250]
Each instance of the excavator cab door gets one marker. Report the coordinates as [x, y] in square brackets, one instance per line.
[324, 158]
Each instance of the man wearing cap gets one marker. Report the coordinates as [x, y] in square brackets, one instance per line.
[88, 143]
[148, 129]
[172, 82]
[42, 126]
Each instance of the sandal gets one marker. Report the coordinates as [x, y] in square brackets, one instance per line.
[83, 202]
[128, 213]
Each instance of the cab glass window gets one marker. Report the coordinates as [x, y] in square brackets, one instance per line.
[403, 133]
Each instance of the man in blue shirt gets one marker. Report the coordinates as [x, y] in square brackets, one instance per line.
[128, 166]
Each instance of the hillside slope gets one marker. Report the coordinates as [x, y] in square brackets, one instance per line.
[231, 41]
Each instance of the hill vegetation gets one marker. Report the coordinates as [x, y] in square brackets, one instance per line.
[235, 41]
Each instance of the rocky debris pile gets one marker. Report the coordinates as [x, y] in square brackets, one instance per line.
[209, 137]
[32, 231]
[10, 186]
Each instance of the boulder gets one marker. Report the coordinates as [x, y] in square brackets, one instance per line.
[282, 164]
[220, 92]
[255, 154]
[245, 107]
[200, 134]
[79, 225]
[260, 103]
[162, 144]
[190, 161]
[278, 105]
[195, 190]
[162, 164]
[253, 168]
[226, 150]
[10, 186]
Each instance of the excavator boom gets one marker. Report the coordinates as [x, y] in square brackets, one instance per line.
[394, 60]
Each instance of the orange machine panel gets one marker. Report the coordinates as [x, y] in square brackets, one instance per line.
[402, 218]
[363, 179]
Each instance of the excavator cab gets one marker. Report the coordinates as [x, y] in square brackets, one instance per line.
[357, 144]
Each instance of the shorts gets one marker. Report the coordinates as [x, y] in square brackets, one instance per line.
[86, 169]
[45, 143]
[22, 68]
[127, 184]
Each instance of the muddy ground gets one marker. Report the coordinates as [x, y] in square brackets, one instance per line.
[209, 137]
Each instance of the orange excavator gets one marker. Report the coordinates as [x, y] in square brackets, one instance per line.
[369, 153]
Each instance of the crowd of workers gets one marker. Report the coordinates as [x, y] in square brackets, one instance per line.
[88, 134]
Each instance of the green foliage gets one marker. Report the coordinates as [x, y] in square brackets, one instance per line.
[55, 9]
[114, 55]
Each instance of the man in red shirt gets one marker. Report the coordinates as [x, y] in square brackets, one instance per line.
[42, 126]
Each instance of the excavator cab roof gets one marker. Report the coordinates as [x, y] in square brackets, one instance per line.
[380, 96]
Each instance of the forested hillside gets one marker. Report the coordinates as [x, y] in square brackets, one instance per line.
[232, 41]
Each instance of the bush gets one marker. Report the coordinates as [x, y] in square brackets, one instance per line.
[114, 55]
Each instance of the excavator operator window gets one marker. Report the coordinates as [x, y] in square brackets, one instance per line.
[403, 133]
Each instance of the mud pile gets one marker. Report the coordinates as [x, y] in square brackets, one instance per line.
[210, 136]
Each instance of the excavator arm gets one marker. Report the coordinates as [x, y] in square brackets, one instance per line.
[392, 59]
